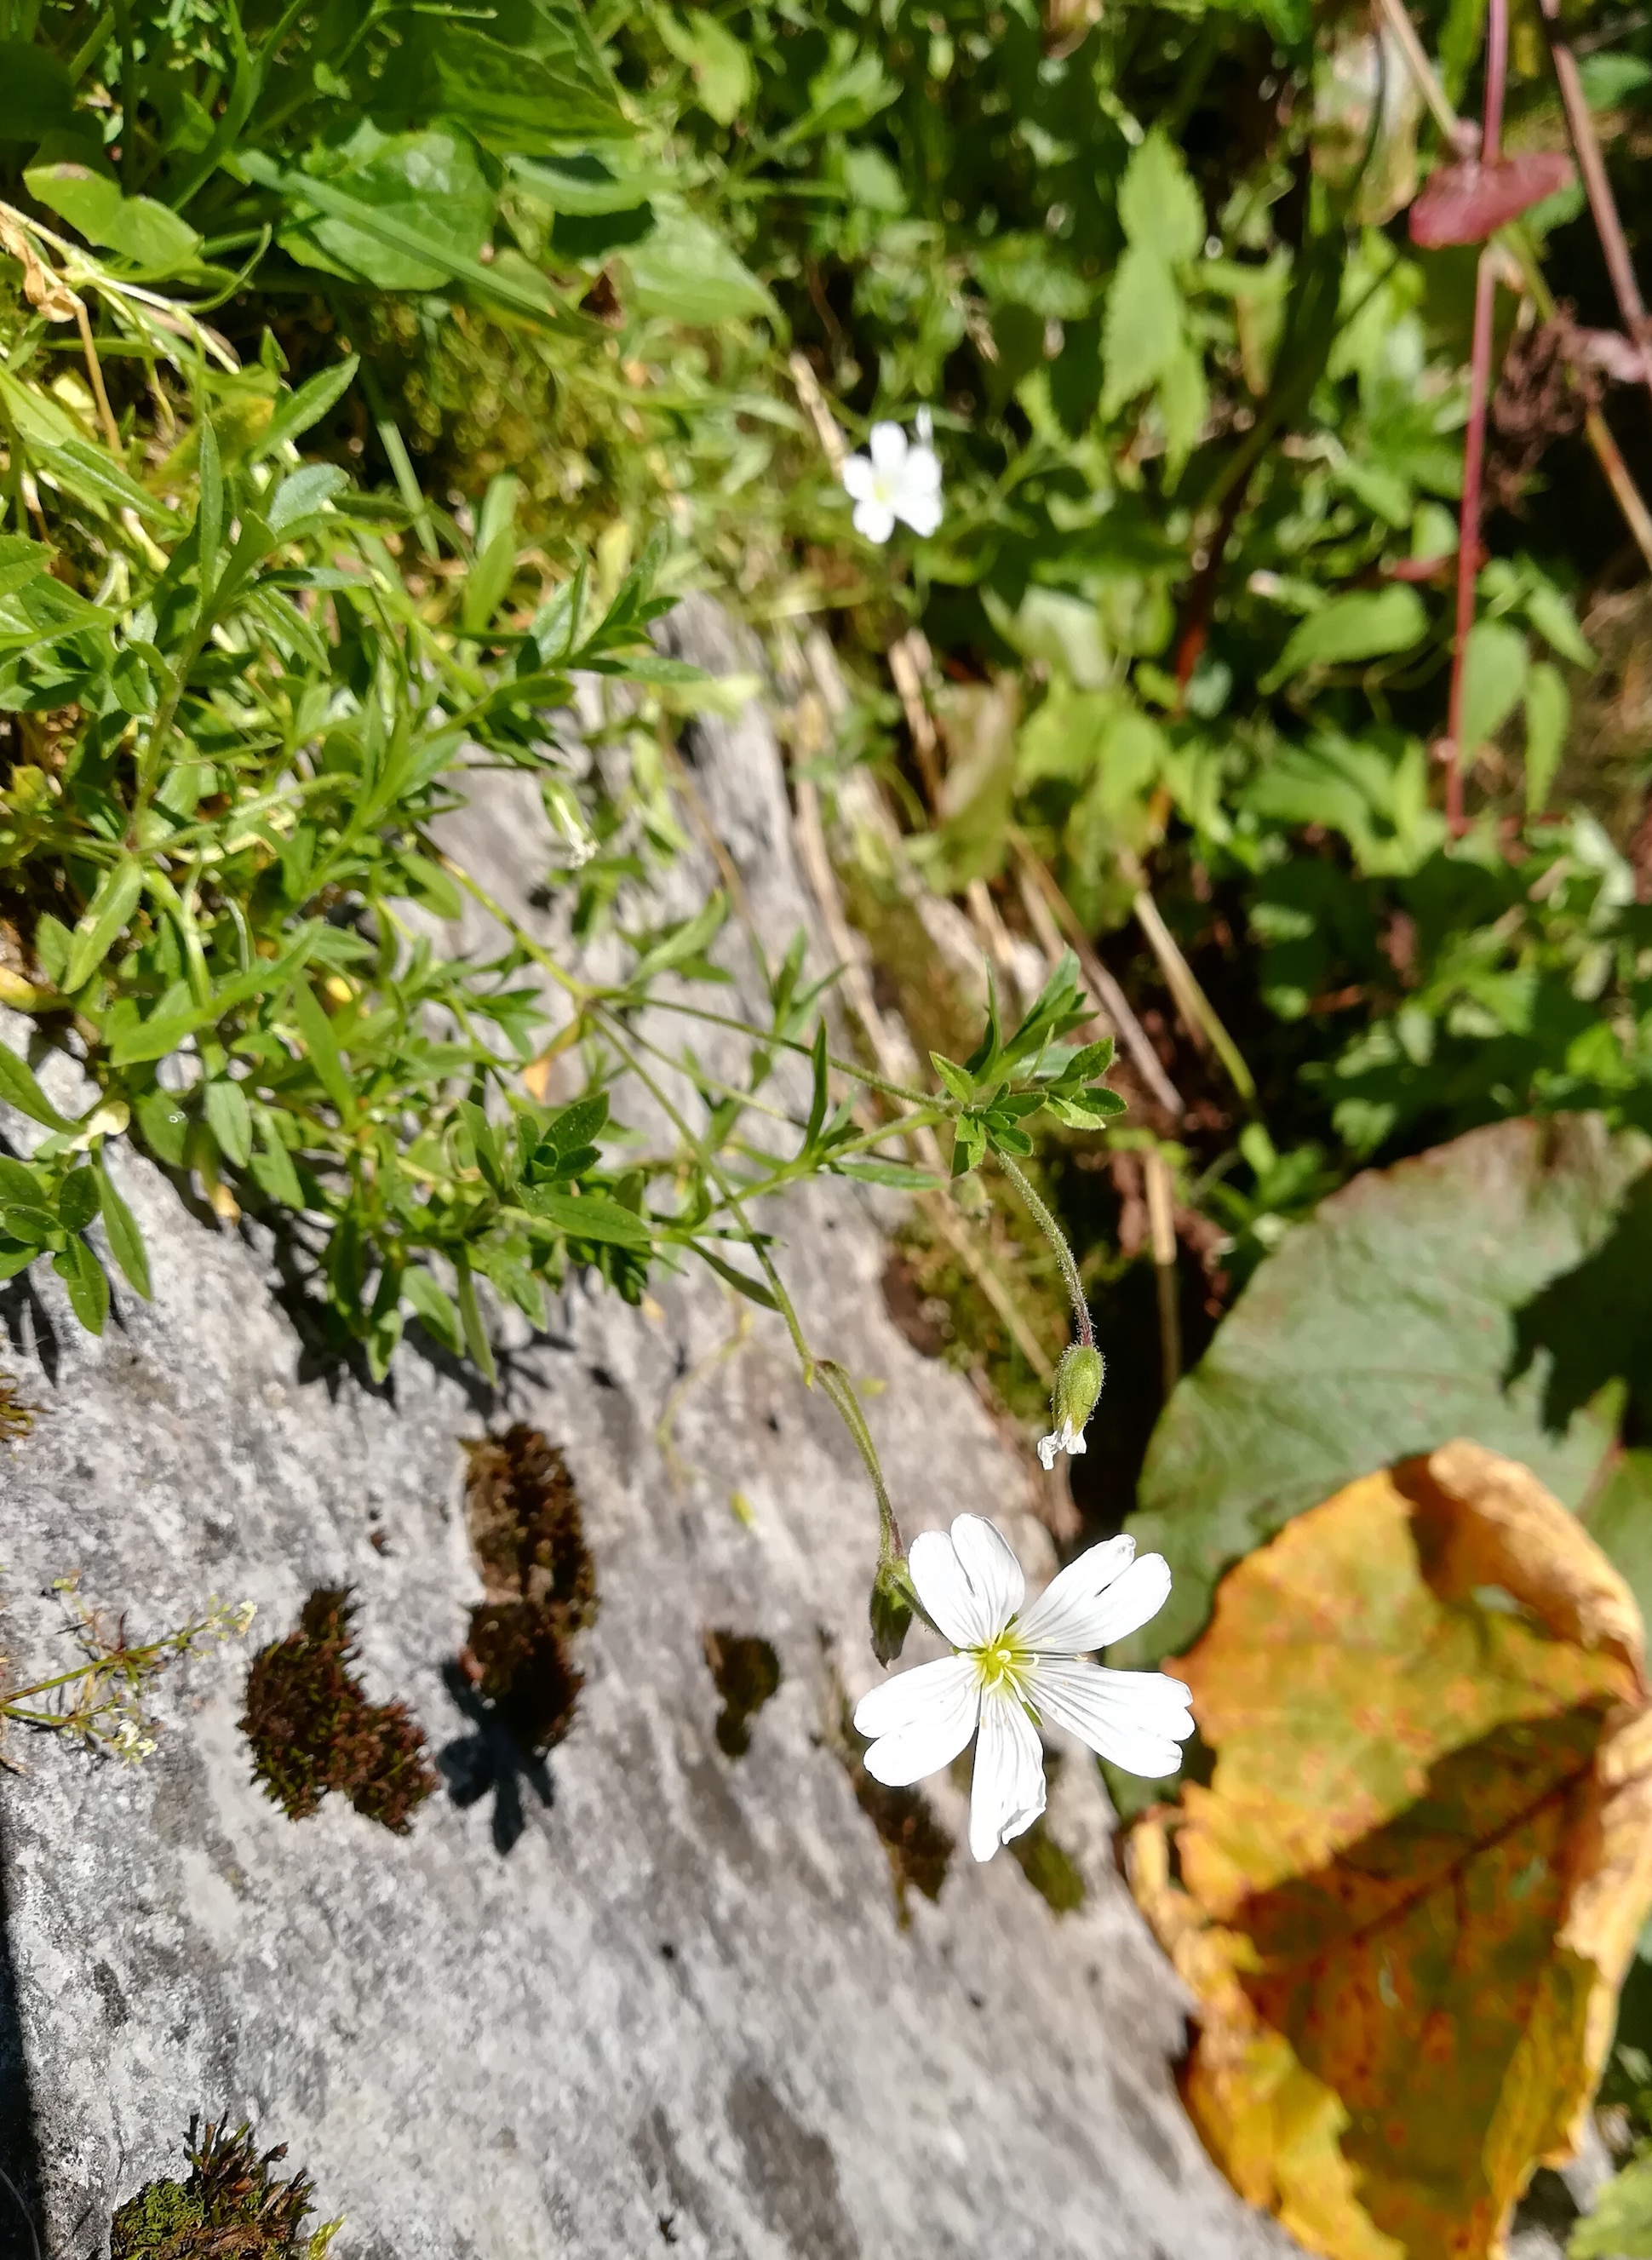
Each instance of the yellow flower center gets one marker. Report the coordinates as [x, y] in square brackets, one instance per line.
[999, 1662]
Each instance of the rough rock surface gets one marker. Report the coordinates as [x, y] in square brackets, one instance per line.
[679, 2013]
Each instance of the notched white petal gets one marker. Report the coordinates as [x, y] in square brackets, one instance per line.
[970, 1584]
[1136, 1719]
[930, 1733]
[1007, 1792]
[888, 445]
[897, 1702]
[989, 1564]
[874, 520]
[1071, 1614]
[860, 479]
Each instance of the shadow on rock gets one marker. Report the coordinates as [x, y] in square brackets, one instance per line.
[490, 1758]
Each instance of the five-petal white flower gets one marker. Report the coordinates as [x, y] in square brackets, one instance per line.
[894, 479]
[1011, 1665]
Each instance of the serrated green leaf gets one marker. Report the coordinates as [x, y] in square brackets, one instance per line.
[1159, 208]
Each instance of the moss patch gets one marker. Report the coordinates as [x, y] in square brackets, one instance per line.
[746, 1672]
[522, 1513]
[1049, 1868]
[311, 1728]
[232, 2207]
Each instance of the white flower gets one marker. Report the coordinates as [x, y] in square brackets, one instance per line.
[1064, 1439]
[1008, 1668]
[896, 480]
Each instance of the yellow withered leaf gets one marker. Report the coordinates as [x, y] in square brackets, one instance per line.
[1405, 1899]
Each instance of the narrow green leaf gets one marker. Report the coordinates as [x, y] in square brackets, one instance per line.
[231, 1120]
[470, 1318]
[308, 406]
[209, 515]
[125, 1241]
[820, 1095]
[322, 1048]
[591, 1216]
[20, 1089]
[103, 919]
[434, 1308]
[756, 1291]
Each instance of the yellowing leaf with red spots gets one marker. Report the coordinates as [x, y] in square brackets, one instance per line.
[1406, 1897]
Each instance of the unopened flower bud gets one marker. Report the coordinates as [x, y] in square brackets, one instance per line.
[1078, 1379]
[891, 1608]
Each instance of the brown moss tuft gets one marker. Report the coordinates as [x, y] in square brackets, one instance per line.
[746, 1672]
[311, 1728]
[232, 2207]
[522, 1513]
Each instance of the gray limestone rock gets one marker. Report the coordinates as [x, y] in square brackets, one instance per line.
[679, 2013]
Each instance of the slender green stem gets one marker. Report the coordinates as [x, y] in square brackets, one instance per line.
[835, 1382]
[1052, 1233]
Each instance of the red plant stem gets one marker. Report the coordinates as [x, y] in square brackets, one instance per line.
[1497, 71]
[1497, 64]
[1468, 524]
[1603, 204]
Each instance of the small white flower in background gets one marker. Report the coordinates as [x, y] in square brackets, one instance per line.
[1011, 1666]
[894, 479]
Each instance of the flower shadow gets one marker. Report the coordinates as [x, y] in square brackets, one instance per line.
[492, 1758]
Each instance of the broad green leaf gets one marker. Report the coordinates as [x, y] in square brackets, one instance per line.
[1620, 2227]
[1548, 714]
[1388, 1324]
[407, 212]
[685, 271]
[37, 97]
[722, 70]
[1365, 624]
[103, 920]
[1159, 208]
[78, 1198]
[957, 1080]
[584, 189]
[1493, 678]
[125, 1241]
[528, 104]
[151, 235]
[1142, 335]
[1420, 1843]
[82, 1275]
[1551, 614]
[20, 1089]
[302, 493]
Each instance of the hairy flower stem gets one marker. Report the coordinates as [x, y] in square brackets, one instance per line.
[1052, 1233]
[1497, 56]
